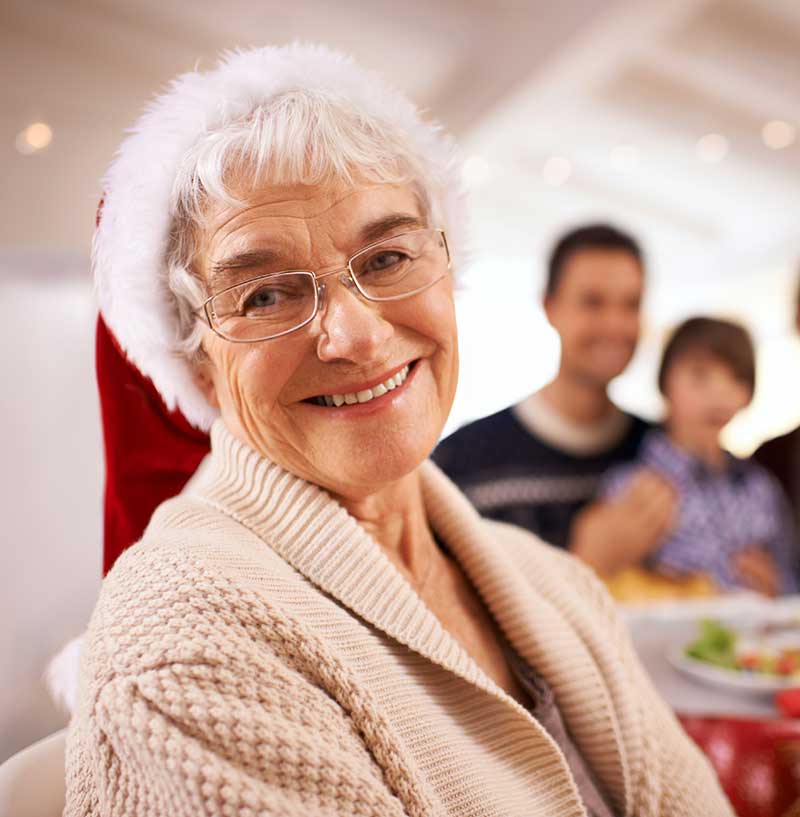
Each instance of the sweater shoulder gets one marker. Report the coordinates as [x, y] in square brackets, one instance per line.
[550, 569]
[498, 424]
[155, 607]
[496, 441]
[169, 599]
[638, 429]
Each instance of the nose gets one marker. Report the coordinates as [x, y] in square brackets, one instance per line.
[351, 328]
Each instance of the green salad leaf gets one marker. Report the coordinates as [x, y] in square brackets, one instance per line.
[716, 645]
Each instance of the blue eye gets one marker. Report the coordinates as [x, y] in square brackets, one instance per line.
[383, 260]
[261, 299]
[275, 298]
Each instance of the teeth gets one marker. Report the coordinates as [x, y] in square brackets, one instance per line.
[367, 394]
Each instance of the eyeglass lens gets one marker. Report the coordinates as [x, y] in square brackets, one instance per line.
[276, 304]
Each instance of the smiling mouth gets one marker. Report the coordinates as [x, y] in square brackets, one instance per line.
[364, 396]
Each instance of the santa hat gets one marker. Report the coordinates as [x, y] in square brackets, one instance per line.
[130, 244]
[155, 417]
[150, 452]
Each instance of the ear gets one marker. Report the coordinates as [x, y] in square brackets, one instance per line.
[204, 380]
[548, 306]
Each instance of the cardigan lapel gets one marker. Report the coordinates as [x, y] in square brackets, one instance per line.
[323, 542]
[539, 631]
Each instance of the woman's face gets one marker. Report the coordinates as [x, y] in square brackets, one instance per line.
[266, 390]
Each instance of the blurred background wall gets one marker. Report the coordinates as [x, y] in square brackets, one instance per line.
[677, 121]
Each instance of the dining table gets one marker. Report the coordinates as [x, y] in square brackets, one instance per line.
[752, 743]
[660, 629]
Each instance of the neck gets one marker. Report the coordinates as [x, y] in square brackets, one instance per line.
[577, 399]
[395, 517]
[699, 444]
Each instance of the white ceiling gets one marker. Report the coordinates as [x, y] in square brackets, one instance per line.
[86, 67]
[515, 81]
[653, 79]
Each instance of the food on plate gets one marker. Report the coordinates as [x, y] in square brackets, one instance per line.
[635, 584]
[724, 647]
[716, 645]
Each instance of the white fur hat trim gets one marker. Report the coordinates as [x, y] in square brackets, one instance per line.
[129, 249]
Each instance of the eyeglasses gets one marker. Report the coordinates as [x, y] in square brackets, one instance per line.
[273, 305]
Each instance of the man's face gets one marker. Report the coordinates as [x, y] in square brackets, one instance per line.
[596, 311]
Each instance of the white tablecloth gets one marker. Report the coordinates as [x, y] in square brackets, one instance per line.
[656, 628]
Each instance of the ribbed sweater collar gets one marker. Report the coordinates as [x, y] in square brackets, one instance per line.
[323, 542]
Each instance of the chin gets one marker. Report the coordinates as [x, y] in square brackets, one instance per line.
[604, 369]
[376, 462]
[603, 375]
[367, 478]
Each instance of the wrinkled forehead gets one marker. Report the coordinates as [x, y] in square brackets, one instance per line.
[301, 227]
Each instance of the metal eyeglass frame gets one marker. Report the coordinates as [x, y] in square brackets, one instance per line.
[346, 276]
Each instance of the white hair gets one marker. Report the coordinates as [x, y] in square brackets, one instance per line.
[293, 115]
[298, 137]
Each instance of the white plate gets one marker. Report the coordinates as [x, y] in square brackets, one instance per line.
[739, 606]
[749, 682]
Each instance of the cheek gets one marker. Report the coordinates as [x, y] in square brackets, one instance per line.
[742, 399]
[634, 326]
[252, 377]
[429, 323]
[431, 318]
[685, 400]
[575, 326]
[590, 323]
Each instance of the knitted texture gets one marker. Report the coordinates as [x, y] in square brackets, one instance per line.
[257, 654]
[529, 474]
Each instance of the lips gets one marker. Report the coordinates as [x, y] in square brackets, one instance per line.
[364, 395]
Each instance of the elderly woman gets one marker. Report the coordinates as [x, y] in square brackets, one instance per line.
[320, 624]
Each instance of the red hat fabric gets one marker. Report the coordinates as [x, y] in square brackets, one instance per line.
[150, 452]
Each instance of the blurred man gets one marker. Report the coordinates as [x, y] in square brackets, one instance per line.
[782, 455]
[538, 463]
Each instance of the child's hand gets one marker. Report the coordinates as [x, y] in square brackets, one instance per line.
[758, 571]
[620, 532]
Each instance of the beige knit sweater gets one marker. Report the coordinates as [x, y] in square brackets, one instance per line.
[257, 654]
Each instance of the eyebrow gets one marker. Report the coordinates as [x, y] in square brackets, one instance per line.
[377, 229]
[253, 259]
[250, 259]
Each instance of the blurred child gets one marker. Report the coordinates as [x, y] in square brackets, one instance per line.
[733, 522]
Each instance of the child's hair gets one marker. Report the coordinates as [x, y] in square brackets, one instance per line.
[728, 342]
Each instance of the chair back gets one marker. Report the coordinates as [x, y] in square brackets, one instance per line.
[32, 782]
